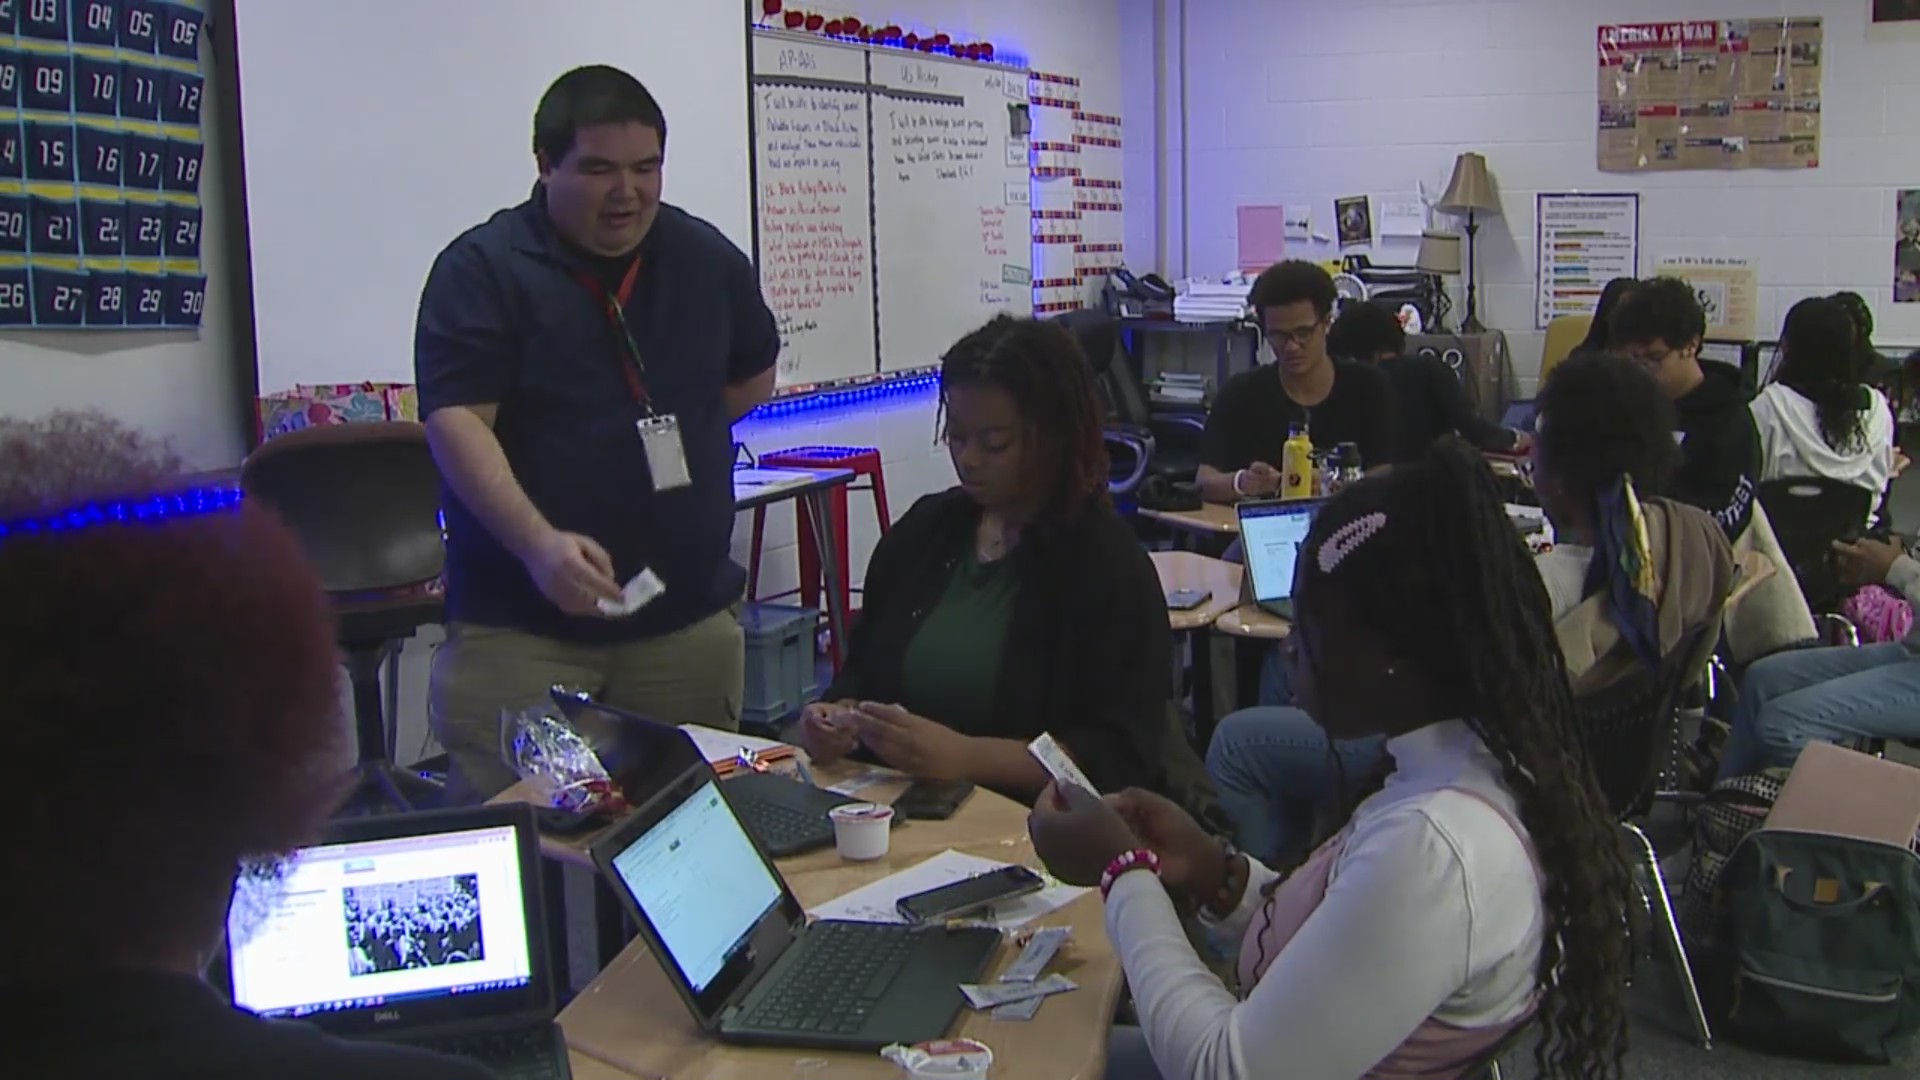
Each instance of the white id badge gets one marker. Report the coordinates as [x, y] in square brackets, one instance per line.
[666, 457]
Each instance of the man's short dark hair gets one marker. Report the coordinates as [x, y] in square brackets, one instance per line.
[1290, 282]
[1664, 309]
[585, 96]
[1365, 332]
[1599, 417]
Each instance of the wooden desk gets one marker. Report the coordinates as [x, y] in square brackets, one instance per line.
[1253, 621]
[1186, 570]
[1212, 519]
[586, 1068]
[631, 1018]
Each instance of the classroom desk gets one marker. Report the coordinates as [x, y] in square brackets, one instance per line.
[1253, 621]
[1212, 519]
[755, 488]
[631, 1018]
[586, 1068]
[1186, 570]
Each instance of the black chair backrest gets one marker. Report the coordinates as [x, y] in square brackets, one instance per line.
[1099, 336]
[1808, 514]
[363, 498]
[1629, 728]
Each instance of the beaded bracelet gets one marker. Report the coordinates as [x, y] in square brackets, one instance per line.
[1138, 859]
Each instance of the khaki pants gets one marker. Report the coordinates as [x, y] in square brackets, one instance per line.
[694, 676]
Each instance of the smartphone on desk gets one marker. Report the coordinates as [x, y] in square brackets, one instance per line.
[932, 800]
[1188, 599]
[974, 894]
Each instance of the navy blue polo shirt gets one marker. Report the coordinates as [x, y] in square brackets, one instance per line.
[505, 320]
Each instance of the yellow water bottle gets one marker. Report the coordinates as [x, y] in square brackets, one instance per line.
[1296, 464]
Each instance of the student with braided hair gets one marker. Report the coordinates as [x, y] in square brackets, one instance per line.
[1480, 888]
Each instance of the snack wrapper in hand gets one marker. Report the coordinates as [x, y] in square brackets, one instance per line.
[545, 750]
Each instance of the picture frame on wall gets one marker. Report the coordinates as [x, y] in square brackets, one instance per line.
[1887, 11]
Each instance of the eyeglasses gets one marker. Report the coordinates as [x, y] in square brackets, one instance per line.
[1301, 337]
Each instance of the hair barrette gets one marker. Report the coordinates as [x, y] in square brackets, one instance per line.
[1347, 539]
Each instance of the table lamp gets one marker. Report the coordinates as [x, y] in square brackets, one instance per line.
[1439, 256]
[1470, 192]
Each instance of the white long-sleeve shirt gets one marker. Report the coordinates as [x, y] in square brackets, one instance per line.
[1433, 910]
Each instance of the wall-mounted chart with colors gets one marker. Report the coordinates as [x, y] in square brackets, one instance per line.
[100, 163]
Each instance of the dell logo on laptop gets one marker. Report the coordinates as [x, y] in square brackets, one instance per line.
[386, 1016]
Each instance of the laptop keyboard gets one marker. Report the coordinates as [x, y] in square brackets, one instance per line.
[782, 828]
[526, 1054]
[836, 982]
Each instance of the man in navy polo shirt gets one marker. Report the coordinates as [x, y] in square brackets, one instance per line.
[581, 360]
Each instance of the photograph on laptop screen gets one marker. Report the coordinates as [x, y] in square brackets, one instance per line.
[430, 922]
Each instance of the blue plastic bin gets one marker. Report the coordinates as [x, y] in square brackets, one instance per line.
[780, 662]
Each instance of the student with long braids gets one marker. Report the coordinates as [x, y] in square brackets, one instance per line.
[1479, 889]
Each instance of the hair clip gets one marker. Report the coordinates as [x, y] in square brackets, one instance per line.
[1347, 539]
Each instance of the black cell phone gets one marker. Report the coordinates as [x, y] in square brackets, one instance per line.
[932, 800]
[1188, 599]
[965, 897]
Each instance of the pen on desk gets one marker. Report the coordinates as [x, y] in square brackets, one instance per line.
[806, 774]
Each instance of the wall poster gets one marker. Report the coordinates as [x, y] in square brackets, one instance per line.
[1582, 241]
[1714, 94]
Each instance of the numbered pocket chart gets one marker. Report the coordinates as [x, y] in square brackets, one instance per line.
[100, 163]
[891, 203]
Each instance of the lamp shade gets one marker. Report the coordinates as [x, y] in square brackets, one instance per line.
[1471, 188]
[1439, 253]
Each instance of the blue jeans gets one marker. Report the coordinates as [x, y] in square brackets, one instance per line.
[1274, 768]
[1836, 695]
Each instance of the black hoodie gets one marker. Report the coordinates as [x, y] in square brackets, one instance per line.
[1719, 449]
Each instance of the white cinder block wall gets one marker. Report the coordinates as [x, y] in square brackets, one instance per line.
[1086, 38]
[1291, 101]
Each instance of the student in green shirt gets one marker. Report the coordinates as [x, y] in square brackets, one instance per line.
[1016, 603]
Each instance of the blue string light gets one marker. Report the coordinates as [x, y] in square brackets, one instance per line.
[147, 509]
[844, 397]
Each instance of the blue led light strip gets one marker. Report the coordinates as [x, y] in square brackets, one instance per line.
[143, 510]
[868, 393]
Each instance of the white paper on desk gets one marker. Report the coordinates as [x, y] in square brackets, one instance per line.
[875, 902]
[859, 782]
[718, 746]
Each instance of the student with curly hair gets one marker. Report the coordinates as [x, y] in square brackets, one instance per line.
[171, 692]
[1016, 603]
[1480, 889]
[1661, 326]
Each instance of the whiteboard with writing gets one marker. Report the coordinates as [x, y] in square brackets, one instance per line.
[890, 202]
[950, 204]
[814, 204]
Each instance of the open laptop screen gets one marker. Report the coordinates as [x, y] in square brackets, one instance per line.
[1272, 534]
[374, 923]
[701, 883]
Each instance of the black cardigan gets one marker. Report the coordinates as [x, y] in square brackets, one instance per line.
[1087, 654]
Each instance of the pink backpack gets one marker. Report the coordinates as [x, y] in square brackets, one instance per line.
[1879, 614]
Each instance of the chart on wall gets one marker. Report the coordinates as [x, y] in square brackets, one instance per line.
[891, 215]
[100, 163]
[1581, 242]
[1713, 94]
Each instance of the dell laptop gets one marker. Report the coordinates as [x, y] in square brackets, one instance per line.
[1272, 534]
[787, 816]
[736, 944]
[423, 929]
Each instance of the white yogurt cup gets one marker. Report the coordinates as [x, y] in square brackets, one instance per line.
[861, 831]
[942, 1059]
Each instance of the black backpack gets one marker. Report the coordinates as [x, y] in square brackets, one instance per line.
[1818, 945]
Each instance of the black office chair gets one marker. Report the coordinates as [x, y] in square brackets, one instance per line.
[365, 501]
[1631, 731]
[1141, 441]
[1808, 514]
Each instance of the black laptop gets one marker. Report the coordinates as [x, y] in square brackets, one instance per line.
[423, 929]
[1272, 532]
[737, 945]
[787, 816]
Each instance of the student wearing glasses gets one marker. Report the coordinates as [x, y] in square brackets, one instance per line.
[1660, 325]
[1338, 401]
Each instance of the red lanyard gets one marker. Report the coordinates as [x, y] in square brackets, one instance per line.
[615, 304]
